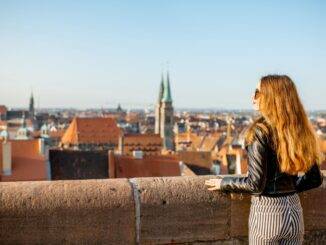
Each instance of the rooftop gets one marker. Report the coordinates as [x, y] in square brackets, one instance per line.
[92, 130]
[148, 166]
[27, 161]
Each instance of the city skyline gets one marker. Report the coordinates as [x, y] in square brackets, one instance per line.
[93, 55]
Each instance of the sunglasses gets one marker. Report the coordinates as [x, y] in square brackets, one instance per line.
[257, 93]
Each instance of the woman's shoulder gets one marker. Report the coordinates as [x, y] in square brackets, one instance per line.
[263, 128]
[261, 133]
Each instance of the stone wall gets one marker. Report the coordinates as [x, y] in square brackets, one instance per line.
[150, 210]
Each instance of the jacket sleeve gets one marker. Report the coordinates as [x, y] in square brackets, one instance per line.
[311, 179]
[255, 181]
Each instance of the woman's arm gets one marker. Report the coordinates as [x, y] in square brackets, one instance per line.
[311, 179]
[255, 182]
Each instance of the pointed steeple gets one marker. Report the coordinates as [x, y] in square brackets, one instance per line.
[31, 100]
[119, 108]
[167, 91]
[158, 107]
[160, 95]
[31, 106]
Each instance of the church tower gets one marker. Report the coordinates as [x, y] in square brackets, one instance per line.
[167, 120]
[164, 120]
[31, 107]
[158, 108]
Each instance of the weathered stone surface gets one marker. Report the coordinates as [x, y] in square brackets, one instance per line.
[315, 237]
[181, 209]
[240, 207]
[177, 210]
[314, 205]
[54, 212]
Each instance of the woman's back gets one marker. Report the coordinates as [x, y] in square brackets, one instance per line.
[264, 174]
[277, 183]
[280, 145]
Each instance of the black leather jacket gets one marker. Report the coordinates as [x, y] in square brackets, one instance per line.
[264, 177]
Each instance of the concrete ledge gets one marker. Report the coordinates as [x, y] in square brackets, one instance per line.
[184, 212]
[56, 212]
[151, 210]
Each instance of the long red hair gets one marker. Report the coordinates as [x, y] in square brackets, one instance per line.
[292, 135]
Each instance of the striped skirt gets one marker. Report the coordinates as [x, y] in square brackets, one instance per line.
[276, 220]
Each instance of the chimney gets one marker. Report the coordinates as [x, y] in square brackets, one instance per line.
[6, 158]
[41, 147]
[238, 162]
[121, 143]
[181, 166]
[111, 165]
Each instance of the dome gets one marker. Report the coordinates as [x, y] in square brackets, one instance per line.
[4, 134]
[23, 133]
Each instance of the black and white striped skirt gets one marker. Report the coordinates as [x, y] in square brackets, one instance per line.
[276, 220]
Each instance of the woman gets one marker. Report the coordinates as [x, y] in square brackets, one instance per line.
[283, 160]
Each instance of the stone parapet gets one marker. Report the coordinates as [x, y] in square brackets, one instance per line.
[150, 210]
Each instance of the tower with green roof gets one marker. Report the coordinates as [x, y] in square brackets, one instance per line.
[158, 107]
[164, 114]
[167, 90]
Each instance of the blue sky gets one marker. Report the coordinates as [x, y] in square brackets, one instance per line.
[98, 53]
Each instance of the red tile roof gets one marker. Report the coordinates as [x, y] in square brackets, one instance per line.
[149, 166]
[92, 131]
[27, 162]
[148, 143]
[193, 139]
[210, 141]
[24, 169]
[25, 148]
[197, 158]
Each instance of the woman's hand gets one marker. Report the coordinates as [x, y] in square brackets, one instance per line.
[215, 184]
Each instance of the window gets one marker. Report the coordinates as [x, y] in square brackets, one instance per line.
[231, 160]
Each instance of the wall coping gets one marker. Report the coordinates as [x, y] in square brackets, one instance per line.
[160, 210]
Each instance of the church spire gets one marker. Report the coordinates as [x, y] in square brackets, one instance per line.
[160, 95]
[31, 99]
[167, 91]
[31, 106]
